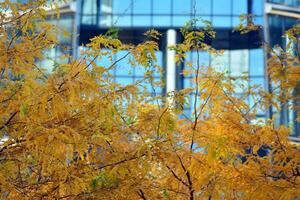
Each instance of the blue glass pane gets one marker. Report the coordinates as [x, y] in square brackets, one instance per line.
[258, 82]
[159, 58]
[240, 85]
[142, 6]
[139, 71]
[240, 7]
[124, 80]
[161, 21]
[161, 6]
[187, 82]
[89, 7]
[235, 21]
[221, 62]
[182, 7]
[180, 21]
[121, 6]
[203, 7]
[88, 19]
[222, 7]
[222, 21]
[203, 58]
[257, 7]
[239, 62]
[104, 60]
[255, 106]
[106, 6]
[105, 20]
[259, 21]
[256, 62]
[123, 68]
[122, 21]
[144, 21]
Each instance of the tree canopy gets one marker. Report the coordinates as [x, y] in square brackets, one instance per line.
[76, 134]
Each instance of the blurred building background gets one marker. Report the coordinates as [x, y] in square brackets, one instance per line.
[85, 19]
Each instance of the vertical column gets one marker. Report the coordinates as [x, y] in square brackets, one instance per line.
[171, 66]
[76, 27]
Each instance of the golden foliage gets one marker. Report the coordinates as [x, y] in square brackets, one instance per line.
[74, 134]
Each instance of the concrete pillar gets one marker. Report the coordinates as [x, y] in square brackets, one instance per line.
[171, 66]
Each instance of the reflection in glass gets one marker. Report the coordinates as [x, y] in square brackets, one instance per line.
[180, 21]
[162, 21]
[222, 7]
[221, 62]
[239, 62]
[256, 62]
[203, 7]
[239, 7]
[141, 6]
[120, 6]
[162, 7]
[221, 21]
[182, 8]
[142, 20]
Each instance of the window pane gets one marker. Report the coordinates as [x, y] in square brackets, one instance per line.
[120, 6]
[221, 22]
[159, 57]
[106, 6]
[220, 62]
[88, 19]
[239, 62]
[161, 20]
[203, 7]
[258, 82]
[257, 7]
[179, 21]
[105, 60]
[222, 7]
[142, 7]
[182, 7]
[240, 85]
[89, 7]
[124, 81]
[123, 68]
[161, 6]
[124, 20]
[240, 7]
[236, 21]
[256, 62]
[141, 21]
[203, 58]
[105, 20]
[187, 83]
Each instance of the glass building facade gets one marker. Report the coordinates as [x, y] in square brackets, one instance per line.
[243, 54]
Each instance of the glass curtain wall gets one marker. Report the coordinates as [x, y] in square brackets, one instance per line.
[243, 55]
[166, 13]
[277, 26]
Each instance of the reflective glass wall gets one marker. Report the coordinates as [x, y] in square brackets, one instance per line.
[166, 13]
[277, 27]
[243, 55]
[65, 36]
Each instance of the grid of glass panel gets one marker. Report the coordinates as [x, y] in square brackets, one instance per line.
[125, 74]
[167, 13]
[235, 63]
[54, 55]
[224, 15]
[278, 25]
